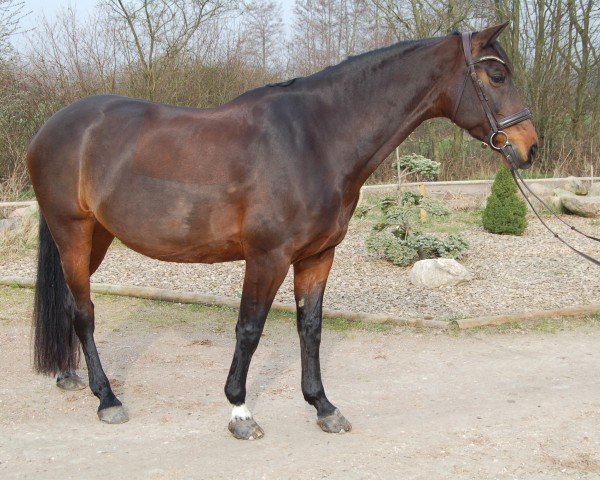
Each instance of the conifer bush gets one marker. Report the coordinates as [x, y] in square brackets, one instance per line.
[399, 239]
[505, 212]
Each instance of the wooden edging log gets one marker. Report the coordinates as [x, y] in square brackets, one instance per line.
[527, 316]
[164, 295]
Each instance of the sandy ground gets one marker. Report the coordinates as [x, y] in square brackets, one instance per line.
[500, 403]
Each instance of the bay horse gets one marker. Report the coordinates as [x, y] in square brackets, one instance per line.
[271, 178]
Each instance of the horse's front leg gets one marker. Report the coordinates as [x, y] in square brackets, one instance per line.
[264, 274]
[310, 277]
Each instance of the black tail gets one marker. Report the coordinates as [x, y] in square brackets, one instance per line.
[56, 348]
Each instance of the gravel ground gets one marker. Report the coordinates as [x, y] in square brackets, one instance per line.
[512, 275]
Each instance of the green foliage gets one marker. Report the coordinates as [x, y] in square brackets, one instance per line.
[410, 198]
[420, 165]
[361, 211]
[436, 207]
[416, 246]
[397, 237]
[505, 212]
[432, 246]
[387, 202]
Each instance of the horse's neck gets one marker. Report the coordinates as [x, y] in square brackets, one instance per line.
[381, 100]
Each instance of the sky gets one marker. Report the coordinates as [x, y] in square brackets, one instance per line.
[51, 7]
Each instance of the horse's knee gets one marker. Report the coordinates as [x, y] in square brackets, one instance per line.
[248, 336]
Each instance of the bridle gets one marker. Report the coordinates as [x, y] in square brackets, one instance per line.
[497, 138]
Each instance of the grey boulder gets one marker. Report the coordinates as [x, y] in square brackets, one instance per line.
[582, 206]
[594, 190]
[575, 185]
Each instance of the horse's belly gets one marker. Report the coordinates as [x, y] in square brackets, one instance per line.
[174, 227]
[215, 252]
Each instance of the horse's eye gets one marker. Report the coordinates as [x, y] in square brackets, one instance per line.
[498, 78]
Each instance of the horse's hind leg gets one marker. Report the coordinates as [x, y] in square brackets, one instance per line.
[101, 240]
[310, 277]
[75, 245]
[69, 380]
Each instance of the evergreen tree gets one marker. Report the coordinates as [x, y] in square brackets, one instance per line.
[505, 212]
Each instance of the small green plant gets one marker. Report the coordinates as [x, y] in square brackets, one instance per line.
[409, 199]
[505, 212]
[414, 163]
[398, 239]
[361, 211]
[435, 207]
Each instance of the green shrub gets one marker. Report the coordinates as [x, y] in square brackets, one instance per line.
[410, 198]
[432, 246]
[505, 212]
[398, 239]
[418, 164]
[436, 207]
[405, 251]
[361, 211]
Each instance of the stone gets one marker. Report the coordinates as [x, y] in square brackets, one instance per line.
[7, 224]
[24, 211]
[555, 202]
[438, 272]
[594, 190]
[575, 185]
[559, 192]
[582, 206]
[539, 189]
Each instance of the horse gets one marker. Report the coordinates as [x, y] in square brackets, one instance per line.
[271, 177]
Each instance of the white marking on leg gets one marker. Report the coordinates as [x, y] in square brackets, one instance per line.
[240, 412]
[301, 302]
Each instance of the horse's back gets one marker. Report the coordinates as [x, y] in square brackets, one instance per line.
[168, 181]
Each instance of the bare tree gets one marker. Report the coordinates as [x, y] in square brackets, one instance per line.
[11, 14]
[73, 58]
[326, 31]
[157, 31]
[262, 32]
[409, 19]
[581, 53]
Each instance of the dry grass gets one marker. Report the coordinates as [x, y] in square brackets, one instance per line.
[23, 237]
[12, 187]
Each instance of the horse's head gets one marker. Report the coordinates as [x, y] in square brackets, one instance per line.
[486, 102]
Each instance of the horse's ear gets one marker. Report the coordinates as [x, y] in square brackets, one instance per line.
[488, 36]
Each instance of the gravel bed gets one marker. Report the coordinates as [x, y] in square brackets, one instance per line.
[512, 275]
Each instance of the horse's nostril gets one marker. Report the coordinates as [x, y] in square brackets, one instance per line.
[532, 152]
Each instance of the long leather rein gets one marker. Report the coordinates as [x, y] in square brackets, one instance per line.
[504, 146]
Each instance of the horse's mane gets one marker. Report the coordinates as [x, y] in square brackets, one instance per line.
[357, 61]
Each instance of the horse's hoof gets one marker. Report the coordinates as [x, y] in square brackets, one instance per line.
[334, 423]
[114, 414]
[71, 382]
[246, 429]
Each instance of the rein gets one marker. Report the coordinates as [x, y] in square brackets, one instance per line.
[505, 147]
[516, 175]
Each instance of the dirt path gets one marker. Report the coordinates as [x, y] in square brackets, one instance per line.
[489, 404]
